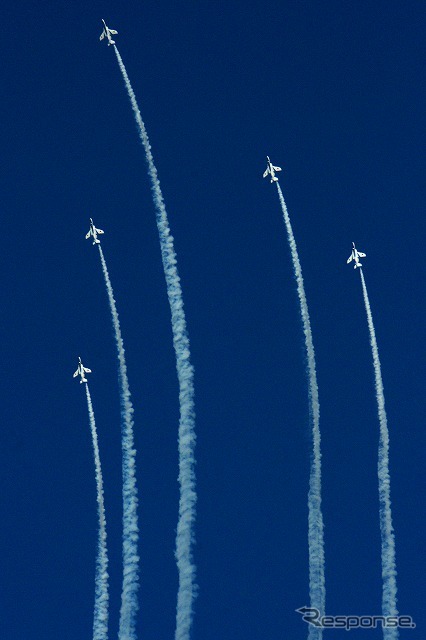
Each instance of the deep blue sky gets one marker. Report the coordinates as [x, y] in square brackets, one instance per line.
[334, 93]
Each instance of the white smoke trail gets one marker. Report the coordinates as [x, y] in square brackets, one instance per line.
[129, 601]
[100, 618]
[185, 536]
[316, 526]
[386, 528]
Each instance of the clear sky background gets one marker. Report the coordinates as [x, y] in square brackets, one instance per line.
[334, 93]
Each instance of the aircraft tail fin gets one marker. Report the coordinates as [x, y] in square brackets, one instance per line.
[97, 241]
[83, 380]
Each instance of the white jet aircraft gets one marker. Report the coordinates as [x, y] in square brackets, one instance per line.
[271, 169]
[93, 231]
[107, 32]
[81, 371]
[355, 255]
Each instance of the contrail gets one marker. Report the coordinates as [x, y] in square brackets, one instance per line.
[185, 535]
[100, 618]
[129, 600]
[386, 528]
[316, 526]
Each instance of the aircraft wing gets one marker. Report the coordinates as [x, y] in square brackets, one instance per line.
[361, 255]
[74, 375]
[266, 173]
[351, 257]
[102, 35]
[277, 168]
[87, 370]
[99, 231]
[88, 234]
[113, 31]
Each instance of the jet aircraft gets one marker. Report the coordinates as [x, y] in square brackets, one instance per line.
[107, 32]
[93, 231]
[271, 169]
[81, 371]
[355, 255]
